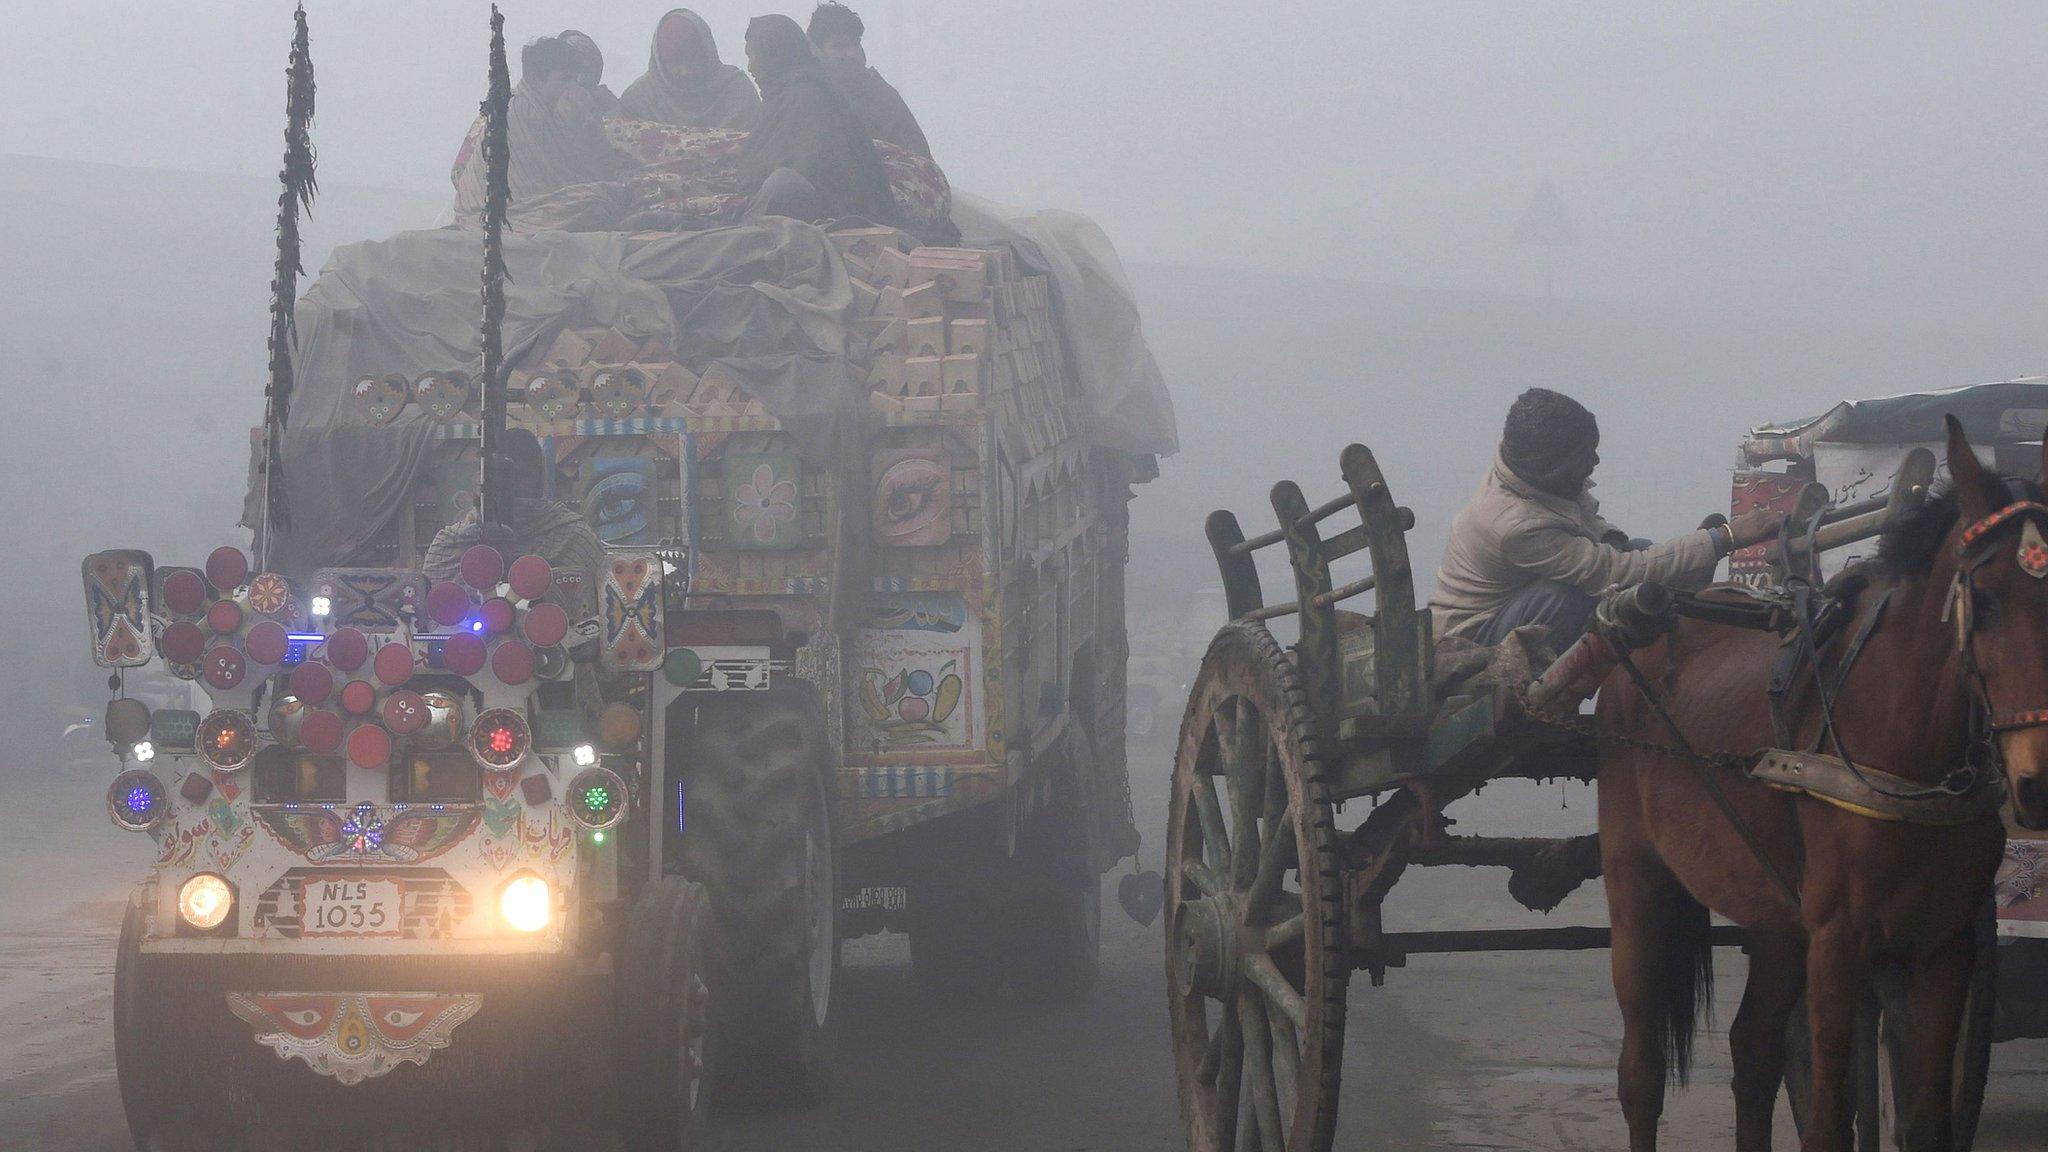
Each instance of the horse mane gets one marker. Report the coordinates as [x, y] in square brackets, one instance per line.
[1908, 547]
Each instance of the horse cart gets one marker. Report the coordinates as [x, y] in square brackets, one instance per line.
[1272, 905]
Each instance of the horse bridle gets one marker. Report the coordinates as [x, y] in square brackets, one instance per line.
[2028, 515]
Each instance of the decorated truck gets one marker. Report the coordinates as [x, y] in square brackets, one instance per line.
[853, 662]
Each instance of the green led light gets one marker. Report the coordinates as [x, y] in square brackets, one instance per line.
[597, 837]
[597, 798]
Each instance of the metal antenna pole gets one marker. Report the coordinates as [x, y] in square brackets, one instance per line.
[497, 162]
[300, 186]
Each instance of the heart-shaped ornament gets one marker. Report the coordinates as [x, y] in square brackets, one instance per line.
[1142, 894]
[442, 394]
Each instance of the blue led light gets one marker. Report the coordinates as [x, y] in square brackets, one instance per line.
[476, 626]
[679, 806]
[140, 800]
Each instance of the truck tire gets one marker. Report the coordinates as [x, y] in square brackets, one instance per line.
[136, 1043]
[661, 1002]
[1058, 903]
[758, 836]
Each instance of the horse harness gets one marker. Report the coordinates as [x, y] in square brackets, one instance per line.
[1811, 619]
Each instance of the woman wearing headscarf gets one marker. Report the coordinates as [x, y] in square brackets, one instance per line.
[806, 154]
[686, 84]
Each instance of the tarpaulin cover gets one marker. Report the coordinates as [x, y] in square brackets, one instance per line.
[1097, 314]
[2005, 411]
[769, 300]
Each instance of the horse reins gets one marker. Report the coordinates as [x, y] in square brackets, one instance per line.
[2032, 557]
[1986, 720]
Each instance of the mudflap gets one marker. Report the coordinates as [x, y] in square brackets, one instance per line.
[288, 1053]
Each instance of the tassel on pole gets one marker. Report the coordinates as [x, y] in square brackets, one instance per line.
[497, 163]
[300, 184]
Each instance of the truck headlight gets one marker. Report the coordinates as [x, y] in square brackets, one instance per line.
[205, 901]
[526, 904]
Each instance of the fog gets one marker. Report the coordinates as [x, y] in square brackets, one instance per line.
[1775, 207]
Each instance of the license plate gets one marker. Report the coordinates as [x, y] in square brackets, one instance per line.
[350, 908]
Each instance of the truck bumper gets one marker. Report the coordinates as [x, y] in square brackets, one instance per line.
[497, 1040]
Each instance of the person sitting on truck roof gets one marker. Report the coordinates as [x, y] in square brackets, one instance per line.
[686, 84]
[590, 69]
[554, 132]
[1532, 548]
[550, 529]
[806, 155]
[835, 33]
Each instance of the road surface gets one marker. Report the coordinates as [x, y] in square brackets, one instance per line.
[1465, 1052]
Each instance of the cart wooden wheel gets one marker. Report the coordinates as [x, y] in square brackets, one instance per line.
[1255, 969]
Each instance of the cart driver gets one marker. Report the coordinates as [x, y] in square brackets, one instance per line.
[1531, 547]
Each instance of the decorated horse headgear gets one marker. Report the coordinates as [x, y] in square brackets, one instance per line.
[1976, 550]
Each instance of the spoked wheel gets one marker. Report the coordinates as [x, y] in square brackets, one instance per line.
[1255, 972]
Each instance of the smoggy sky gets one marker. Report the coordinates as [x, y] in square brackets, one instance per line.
[1850, 159]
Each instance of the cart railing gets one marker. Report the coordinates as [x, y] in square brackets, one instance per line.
[1397, 706]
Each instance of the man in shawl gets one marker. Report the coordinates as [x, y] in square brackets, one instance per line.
[806, 155]
[590, 69]
[1531, 547]
[552, 530]
[835, 33]
[553, 129]
[687, 85]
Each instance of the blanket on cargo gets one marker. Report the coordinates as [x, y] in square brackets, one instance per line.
[670, 178]
[770, 301]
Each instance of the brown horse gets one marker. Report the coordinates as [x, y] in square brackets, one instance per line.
[1869, 892]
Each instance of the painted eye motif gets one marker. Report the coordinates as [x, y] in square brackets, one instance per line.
[303, 1017]
[910, 499]
[400, 1018]
[617, 505]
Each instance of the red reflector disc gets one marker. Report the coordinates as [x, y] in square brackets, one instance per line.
[463, 654]
[482, 567]
[226, 568]
[546, 624]
[498, 615]
[183, 642]
[320, 732]
[530, 577]
[184, 592]
[394, 664]
[267, 642]
[512, 663]
[448, 603]
[369, 746]
[347, 649]
[223, 666]
[312, 683]
[224, 617]
[358, 697]
[404, 712]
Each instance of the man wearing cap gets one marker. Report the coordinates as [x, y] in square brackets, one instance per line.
[1531, 547]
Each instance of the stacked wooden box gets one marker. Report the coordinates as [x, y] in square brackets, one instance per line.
[943, 330]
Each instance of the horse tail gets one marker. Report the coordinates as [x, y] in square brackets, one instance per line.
[1685, 984]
